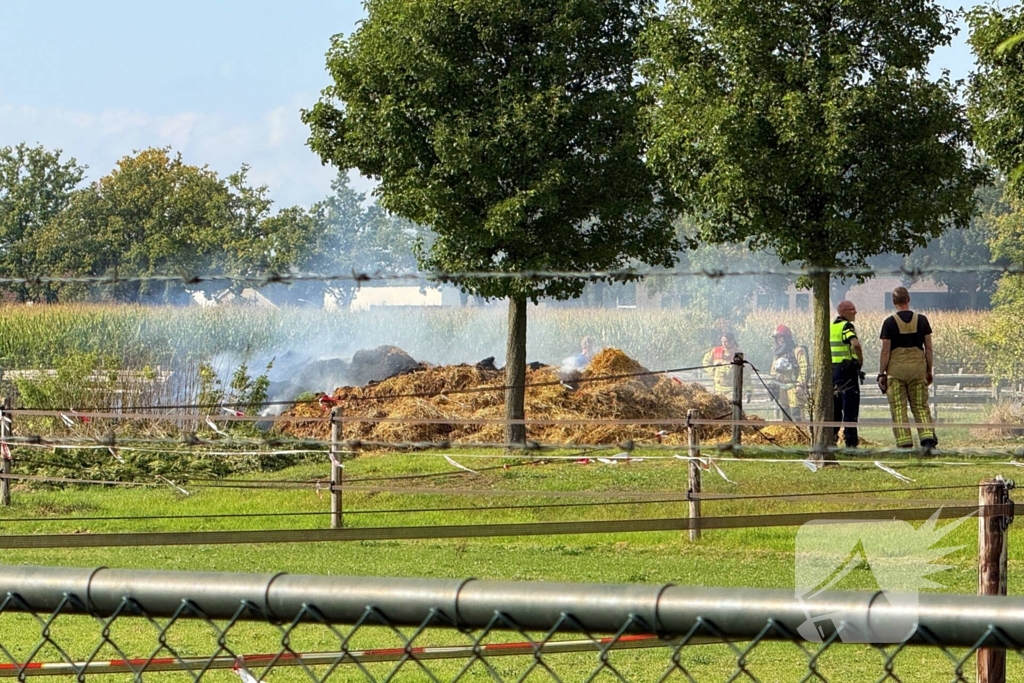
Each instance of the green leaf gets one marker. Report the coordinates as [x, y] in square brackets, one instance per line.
[1009, 43]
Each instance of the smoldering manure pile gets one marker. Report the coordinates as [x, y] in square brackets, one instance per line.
[586, 396]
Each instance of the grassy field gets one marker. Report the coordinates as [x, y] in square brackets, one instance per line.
[742, 557]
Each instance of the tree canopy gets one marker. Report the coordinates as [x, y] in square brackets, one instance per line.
[996, 92]
[509, 127]
[810, 128]
[35, 187]
[996, 107]
[152, 215]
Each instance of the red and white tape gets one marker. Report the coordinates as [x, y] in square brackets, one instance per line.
[242, 665]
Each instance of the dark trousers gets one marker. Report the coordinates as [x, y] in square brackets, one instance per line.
[845, 402]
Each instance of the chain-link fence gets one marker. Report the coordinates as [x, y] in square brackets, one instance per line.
[146, 624]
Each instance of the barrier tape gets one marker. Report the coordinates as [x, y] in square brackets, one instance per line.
[539, 422]
[285, 484]
[192, 664]
[530, 449]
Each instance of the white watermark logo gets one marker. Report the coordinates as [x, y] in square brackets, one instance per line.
[899, 558]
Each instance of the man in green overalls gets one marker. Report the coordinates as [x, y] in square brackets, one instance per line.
[905, 370]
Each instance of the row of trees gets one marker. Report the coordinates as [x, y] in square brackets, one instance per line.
[533, 135]
[950, 260]
[232, 230]
[156, 215]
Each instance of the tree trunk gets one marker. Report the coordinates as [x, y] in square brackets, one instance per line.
[515, 371]
[822, 392]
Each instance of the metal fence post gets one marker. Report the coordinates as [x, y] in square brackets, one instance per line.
[737, 397]
[5, 462]
[693, 492]
[336, 468]
[992, 574]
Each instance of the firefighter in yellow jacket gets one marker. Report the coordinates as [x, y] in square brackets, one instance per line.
[722, 356]
[905, 370]
[789, 372]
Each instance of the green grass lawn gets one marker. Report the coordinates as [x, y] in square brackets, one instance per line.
[740, 557]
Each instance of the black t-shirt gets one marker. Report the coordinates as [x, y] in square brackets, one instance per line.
[891, 331]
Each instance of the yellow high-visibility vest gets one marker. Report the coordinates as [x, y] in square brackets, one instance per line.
[840, 343]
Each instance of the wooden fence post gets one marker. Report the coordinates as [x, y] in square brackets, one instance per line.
[993, 521]
[5, 462]
[737, 397]
[336, 468]
[693, 493]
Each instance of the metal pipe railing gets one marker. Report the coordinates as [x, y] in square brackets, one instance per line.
[668, 610]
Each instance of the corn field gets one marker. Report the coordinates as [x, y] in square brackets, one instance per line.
[180, 337]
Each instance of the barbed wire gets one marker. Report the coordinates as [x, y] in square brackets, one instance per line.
[483, 530]
[227, 411]
[716, 421]
[569, 381]
[719, 451]
[662, 496]
[523, 449]
[348, 511]
[380, 487]
[358, 277]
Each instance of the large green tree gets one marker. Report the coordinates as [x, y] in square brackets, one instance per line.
[811, 128]
[36, 185]
[152, 215]
[509, 127]
[996, 92]
[996, 107]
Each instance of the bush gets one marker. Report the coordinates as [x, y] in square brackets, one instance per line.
[1003, 334]
[88, 382]
[1004, 412]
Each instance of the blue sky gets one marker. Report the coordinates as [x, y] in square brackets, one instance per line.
[221, 81]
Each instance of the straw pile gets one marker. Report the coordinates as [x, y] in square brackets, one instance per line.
[1011, 418]
[625, 398]
[777, 435]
